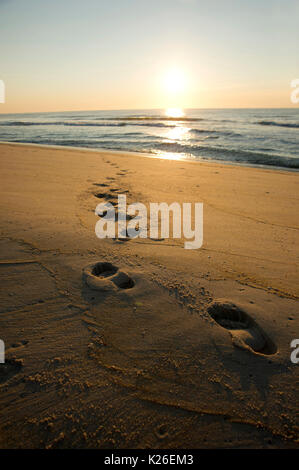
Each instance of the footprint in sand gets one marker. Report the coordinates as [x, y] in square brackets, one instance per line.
[103, 185]
[161, 431]
[108, 197]
[245, 332]
[112, 190]
[123, 236]
[106, 276]
[113, 214]
[105, 196]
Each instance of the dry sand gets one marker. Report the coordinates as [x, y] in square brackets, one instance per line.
[195, 354]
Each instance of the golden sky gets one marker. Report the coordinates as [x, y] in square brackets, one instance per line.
[73, 55]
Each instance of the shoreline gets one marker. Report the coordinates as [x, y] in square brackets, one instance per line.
[156, 156]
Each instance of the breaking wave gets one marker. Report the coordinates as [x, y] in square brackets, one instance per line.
[291, 125]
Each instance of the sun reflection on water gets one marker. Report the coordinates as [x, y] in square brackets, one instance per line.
[177, 133]
[174, 113]
[170, 156]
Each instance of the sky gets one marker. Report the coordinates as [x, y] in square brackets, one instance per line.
[64, 55]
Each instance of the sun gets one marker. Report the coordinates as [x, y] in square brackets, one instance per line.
[174, 81]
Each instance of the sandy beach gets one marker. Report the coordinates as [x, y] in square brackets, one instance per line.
[194, 351]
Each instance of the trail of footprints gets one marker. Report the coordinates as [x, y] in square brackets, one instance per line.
[244, 330]
[107, 277]
[110, 194]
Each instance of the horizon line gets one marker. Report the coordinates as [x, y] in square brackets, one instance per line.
[151, 109]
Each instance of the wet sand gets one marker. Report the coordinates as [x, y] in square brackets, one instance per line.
[180, 348]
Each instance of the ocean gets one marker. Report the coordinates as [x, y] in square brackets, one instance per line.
[259, 137]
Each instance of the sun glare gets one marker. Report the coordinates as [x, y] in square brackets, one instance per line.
[174, 113]
[174, 81]
[177, 133]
